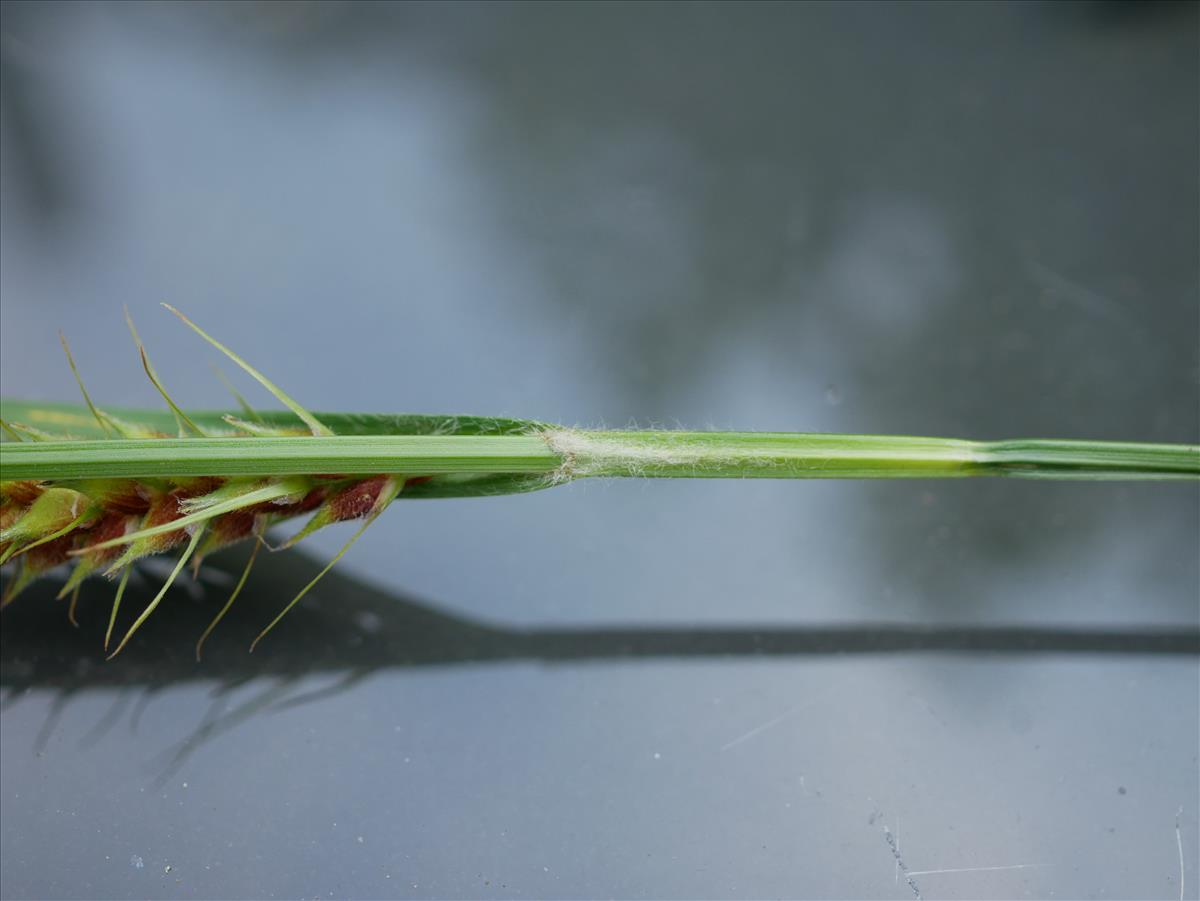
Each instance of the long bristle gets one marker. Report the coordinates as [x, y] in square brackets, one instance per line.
[79, 381]
[182, 418]
[229, 603]
[317, 427]
[385, 498]
[145, 614]
[116, 605]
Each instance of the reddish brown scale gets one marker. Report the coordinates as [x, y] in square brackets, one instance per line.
[49, 555]
[110, 526]
[310, 501]
[357, 500]
[23, 492]
[197, 487]
[164, 508]
[418, 480]
[9, 514]
[230, 527]
[129, 500]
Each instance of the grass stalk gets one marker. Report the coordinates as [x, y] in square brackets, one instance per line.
[101, 489]
[564, 454]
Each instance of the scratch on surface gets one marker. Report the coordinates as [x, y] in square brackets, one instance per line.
[896, 875]
[1085, 299]
[908, 877]
[1179, 845]
[764, 727]
[1014, 866]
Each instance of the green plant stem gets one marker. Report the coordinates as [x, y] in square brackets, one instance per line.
[796, 455]
[353, 455]
[563, 454]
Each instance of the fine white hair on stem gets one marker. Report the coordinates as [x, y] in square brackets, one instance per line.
[586, 453]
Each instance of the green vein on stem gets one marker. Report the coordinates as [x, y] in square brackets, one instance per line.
[564, 454]
[259, 456]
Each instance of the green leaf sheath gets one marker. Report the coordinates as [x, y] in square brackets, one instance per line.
[783, 455]
[410, 455]
[468, 456]
[78, 422]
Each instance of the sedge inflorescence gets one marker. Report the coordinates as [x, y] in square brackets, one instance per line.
[104, 526]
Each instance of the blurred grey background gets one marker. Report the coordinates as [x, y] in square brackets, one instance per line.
[977, 220]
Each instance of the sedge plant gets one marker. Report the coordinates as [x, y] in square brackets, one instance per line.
[100, 489]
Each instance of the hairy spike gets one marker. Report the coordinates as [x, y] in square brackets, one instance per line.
[233, 597]
[145, 614]
[311, 421]
[112, 617]
[181, 417]
[79, 381]
[385, 498]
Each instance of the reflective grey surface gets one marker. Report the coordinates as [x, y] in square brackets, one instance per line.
[966, 220]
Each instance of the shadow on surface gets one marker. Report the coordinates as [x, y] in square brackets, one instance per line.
[354, 628]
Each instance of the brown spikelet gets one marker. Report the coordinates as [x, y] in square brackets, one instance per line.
[311, 501]
[167, 507]
[164, 508]
[110, 525]
[357, 500]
